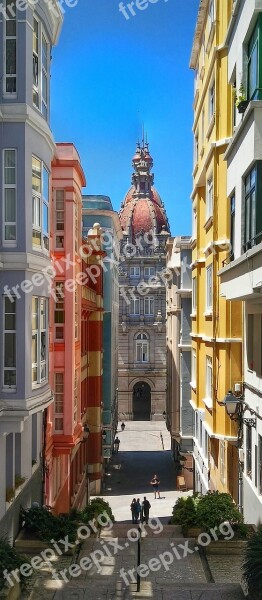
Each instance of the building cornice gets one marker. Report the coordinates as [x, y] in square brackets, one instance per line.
[201, 19]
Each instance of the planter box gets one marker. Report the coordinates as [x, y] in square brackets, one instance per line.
[11, 593]
[192, 532]
[26, 543]
[226, 547]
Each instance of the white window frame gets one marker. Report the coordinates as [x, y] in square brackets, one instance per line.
[209, 288]
[209, 196]
[7, 332]
[194, 223]
[193, 369]
[211, 101]
[40, 204]
[135, 306]
[41, 328]
[209, 378]
[13, 94]
[149, 306]
[59, 398]
[59, 219]
[134, 271]
[142, 348]
[149, 271]
[194, 294]
[40, 102]
[211, 12]
[196, 148]
[75, 396]
[9, 186]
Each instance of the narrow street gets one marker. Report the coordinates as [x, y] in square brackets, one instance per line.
[175, 568]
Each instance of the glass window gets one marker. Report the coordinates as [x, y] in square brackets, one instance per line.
[209, 288]
[148, 306]
[232, 225]
[209, 197]
[9, 342]
[135, 306]
[212, 101]
[40, 69]
[39, 348]
[254, 74]
[9, 194]
[209, 386]
[193, 368]
[142, 348]
[40, 204]
[10, 48]
[59, 311]
[194, 294]
[250, 190]
[249, 451]
[149, 271]
[59, 218]
[59, 401]
[134, 271]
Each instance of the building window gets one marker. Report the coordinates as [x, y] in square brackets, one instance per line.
[209, 197]
[59, 401]
[149, 271]
[254, 75]
[9, 342]
[232, 225]
[222, 462]
[250, 342]
[194, 224]
[142, 348]
[40, 204]
[260, 464]
[40, 69]
[9, 195]
[134, 271]
[59, 311]
[149, 306]
[135, 306]
[196, 149]
[253, 212]
[10, 48]
[209, 386]
[194, 294]
[193, 370]
[209, 288]
[75, 396]
[196, 425]
[39, 340]
[203, 127]
[249, 451]
[211, 101]
[211, 12]
[59, 219]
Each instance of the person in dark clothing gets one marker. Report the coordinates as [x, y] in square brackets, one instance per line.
[133, 510]
[155, 483]
[145, 510]
[116, 444]
[138, 510]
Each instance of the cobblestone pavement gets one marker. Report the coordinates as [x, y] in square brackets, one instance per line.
[187, 578]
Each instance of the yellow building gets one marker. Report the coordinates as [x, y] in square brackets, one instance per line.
[216, 324]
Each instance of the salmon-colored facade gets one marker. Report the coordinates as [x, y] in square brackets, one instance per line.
[76, 320]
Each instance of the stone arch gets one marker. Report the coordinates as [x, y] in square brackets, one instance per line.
[141, 401]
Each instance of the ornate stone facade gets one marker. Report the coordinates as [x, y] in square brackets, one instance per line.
[142, 311]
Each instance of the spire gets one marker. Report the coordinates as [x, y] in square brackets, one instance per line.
[142, 178]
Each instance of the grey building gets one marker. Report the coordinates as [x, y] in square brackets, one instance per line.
[100, 209]
[179, 307]
[142, 316]
[26, 151]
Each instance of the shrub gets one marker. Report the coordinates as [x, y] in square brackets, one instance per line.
[10, 559]
[96, 507]
[215, 508]
[184, 512]
[252, 567]
[47, 526]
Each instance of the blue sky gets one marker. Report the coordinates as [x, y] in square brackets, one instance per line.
[109, 75]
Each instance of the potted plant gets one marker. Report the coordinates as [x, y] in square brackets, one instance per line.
[241, 99]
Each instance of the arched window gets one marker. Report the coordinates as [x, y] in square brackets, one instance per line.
[142, 348]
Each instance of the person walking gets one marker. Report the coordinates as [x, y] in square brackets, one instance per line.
[116, 444]
[145, 510]
[155, 483]
[133, 511]
[138, 510]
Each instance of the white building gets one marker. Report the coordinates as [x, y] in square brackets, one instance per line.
[241, 278]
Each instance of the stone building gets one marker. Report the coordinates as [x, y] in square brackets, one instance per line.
[142, 311]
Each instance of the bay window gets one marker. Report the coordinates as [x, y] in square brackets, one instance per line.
[39, 340]
[254, 68]
[252, 206]
[9, 197]
[59, 402]
[40, 204]
[10, 64]
[40, 69]
[9, 379]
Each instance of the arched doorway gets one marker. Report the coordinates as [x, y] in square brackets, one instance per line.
[141, 401]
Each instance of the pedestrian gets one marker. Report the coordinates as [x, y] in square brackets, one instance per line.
[133, 510]
[155, 483]
[138, 510]
[145, 510]
[123, 426]
[116, 444]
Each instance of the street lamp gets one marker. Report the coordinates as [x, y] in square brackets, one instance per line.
[236, 407]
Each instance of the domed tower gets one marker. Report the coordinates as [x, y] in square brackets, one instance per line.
[142, 310]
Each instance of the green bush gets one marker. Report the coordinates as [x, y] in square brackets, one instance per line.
[10, 560]
[252, 567]
[96, 507]
[47, 526]
[215, 508]
[184, 512]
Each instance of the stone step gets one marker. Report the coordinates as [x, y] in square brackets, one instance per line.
[120, 530]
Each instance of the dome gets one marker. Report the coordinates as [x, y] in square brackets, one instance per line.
[142, 208]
